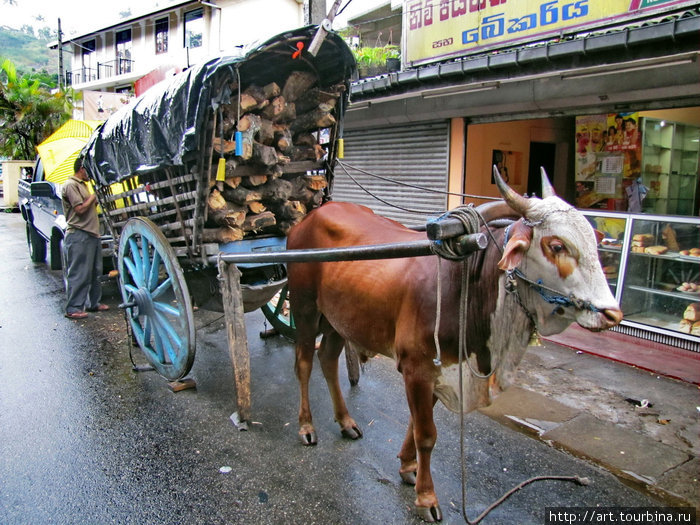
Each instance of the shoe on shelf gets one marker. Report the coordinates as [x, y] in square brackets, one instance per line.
[76, 315]
[99, 308]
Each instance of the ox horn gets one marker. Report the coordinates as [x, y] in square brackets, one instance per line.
[547, 188]
[513, 198]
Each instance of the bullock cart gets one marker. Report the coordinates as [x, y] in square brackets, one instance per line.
[218, 162]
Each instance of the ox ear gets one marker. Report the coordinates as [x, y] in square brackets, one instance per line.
[518, 244]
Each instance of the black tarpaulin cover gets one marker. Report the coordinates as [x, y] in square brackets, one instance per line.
[160, 128]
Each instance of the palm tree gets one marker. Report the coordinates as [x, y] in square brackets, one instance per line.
[29, 112]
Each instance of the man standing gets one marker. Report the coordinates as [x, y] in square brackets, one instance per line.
[82, 246]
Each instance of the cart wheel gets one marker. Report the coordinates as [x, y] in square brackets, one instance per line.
[277, 312]
[155, 294]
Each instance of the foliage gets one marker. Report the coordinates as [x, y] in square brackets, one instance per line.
[29, 112]
[374, 56]
[28, 52]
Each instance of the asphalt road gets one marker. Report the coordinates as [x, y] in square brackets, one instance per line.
[85, 439]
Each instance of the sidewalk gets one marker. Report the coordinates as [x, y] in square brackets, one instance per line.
[581, 392]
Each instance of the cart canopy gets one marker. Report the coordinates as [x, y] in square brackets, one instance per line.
[161, 127]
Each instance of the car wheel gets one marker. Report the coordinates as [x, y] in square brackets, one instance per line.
[56, 255]
[36, 244]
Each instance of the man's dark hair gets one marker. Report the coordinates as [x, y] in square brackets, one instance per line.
[78, 164]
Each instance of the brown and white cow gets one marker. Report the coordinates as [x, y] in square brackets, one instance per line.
[389, 307]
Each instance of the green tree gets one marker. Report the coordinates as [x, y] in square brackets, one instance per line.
[29, 112]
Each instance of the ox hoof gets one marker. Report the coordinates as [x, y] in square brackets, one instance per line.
[353, 432]
[408, 477]
[429, 514]
[308, 439]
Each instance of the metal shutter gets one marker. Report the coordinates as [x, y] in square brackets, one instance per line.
[416, 154]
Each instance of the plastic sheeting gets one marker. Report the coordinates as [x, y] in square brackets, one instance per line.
[160, 128]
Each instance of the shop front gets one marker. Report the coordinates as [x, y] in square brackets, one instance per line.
[614, 117]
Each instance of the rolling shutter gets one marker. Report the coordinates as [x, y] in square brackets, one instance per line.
[416, 155]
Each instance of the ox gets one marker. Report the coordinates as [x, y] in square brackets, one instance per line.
[389, 307]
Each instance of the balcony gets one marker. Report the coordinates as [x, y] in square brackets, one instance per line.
[103, 71]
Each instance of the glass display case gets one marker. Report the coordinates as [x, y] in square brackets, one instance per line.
[652, 264]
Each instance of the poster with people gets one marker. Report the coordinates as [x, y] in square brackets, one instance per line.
[608, 160]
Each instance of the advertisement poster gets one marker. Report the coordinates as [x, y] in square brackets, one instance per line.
[608, 159]
[439, 29]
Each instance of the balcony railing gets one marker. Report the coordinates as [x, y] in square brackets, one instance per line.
[104, 70]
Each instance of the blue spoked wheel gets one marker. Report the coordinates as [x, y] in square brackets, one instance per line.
[277, 312]
[156, 297]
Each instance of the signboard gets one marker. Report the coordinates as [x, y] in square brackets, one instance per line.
[440, 29]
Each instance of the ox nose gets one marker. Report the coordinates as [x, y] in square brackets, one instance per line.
[612, 316]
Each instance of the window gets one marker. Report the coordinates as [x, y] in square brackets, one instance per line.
[161, 36]
[123, 43]
[88, 59]
[194, 28]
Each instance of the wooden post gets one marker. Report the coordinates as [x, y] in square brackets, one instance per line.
[230, 277]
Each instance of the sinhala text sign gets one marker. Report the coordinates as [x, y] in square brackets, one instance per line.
[440, 29]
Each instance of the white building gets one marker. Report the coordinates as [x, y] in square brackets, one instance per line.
[169, 39]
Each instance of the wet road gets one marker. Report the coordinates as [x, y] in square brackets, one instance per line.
[84, 439]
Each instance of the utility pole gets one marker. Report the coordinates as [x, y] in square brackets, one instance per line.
[317, 12]
[60, 56]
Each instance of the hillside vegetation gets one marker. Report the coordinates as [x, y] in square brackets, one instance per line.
[28, 53]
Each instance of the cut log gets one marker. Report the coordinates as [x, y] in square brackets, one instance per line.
[283, 227]
[256, 207]
[315, 182]
[222, 235]
[301, 192]
[232, 182]
[265, 155]
[232, 216]
[315, 97]
[305, 139]
[256, 92]
[279, 110]
[224, 146]
[247, 103]
[250, 124]
[296, 84]
[259, 221]
[253, 181]
[288, 210]
[276, 190]
[240, 195]
[313, 120]
[272, 90]
[297, 153]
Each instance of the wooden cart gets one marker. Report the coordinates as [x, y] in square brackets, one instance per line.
[222, 158]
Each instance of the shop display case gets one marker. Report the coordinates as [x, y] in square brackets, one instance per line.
[653, 268]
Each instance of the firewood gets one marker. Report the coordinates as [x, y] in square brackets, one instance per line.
[301, 192]
[272, 90]
[297, 153]
[315, 182]
[256, 92]
[305, 139]
[283, 139]
[265, 155]
[288, 210]
[296, 84]
[312, 120]
[256, 207]
[224, 146]
[276, 190]
[222, 235]
[232, 182]
[280, 110]
[283, 227]
[259, 221]
[314, 97]
[240, 195]
[250, 124]
[247, 103]
[253, 181]
[232, 216]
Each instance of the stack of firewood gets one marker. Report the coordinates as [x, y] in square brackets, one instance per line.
[268, 186]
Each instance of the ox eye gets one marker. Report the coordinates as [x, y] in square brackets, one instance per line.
[557, 247]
